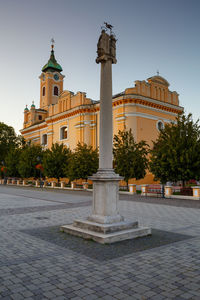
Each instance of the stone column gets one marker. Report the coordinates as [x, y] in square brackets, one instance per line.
[105, 182]
[106, 225]
[106, 126]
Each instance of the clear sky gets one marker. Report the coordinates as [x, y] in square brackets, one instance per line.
[152, 35]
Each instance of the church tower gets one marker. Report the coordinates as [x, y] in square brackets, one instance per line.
[51, 81]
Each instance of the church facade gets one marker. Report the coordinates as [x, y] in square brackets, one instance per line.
[68, 118]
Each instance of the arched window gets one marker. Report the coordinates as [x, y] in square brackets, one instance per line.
[43, 91]
[40, 117]
[55, 91]
[63, 132]
[160, 125]
[44, 139]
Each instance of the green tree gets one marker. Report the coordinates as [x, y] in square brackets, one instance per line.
[28, 161]
[8, 140]
[130, 158]
[84, 162]
[56, 160]
[12, 162]
[176, 153]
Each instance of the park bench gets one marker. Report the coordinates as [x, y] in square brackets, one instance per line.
[154, 190]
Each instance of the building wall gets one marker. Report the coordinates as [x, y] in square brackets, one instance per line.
[140, 108]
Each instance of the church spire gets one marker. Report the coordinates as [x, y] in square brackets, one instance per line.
[52, 64]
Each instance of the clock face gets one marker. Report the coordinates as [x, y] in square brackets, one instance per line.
[56, 77]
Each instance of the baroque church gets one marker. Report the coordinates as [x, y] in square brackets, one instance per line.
[68, 118]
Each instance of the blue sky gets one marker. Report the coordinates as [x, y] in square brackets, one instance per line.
[152, 35]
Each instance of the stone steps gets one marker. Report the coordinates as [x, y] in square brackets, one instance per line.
[106, 238]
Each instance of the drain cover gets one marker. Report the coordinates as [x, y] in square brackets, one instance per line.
[41, 218]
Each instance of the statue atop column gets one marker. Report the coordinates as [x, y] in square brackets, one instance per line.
[106, 46]
[105, 224]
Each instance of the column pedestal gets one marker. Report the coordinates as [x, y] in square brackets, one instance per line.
[196, 192]
[73, 185]
[168, 191]
[106, 225]
[62, 184]
[144, 189]
[132, 188]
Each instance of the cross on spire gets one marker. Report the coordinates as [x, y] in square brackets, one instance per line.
[52, 43]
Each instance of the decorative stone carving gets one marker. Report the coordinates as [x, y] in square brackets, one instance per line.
[106, 48]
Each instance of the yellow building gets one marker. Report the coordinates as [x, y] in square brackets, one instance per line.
[68, 118]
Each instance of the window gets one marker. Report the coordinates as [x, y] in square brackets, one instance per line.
[55, 91]
[44, 139]
[63, 133]
[43, 91]
[40, 117]
[160, 125]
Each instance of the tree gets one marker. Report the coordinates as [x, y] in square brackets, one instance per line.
[28, 160]
[130, 158]
[55, 161]
[12, 162]
[3, 171]
[84, 162]
[176, 153]
[8, 140]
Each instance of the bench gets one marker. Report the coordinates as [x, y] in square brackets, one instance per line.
[154, 190]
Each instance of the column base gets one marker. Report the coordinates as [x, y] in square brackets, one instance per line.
[106, 233]
[106, 225]
[105, 219]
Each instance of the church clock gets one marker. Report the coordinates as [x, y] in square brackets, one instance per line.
[56, 77]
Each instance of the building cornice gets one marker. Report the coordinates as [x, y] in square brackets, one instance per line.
[72, 112]
[145, 101]
[33, 128]
[94, 108]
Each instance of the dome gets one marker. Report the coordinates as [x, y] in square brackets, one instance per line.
[158, 79]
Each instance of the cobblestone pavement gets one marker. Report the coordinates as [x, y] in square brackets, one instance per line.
[39, 262]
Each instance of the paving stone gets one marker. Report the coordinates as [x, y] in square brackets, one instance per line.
[16, 296]
[38, 262]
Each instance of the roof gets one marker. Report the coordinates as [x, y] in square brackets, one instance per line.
[52, 64]
[158, 79]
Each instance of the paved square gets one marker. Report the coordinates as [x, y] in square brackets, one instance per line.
[35, 262]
